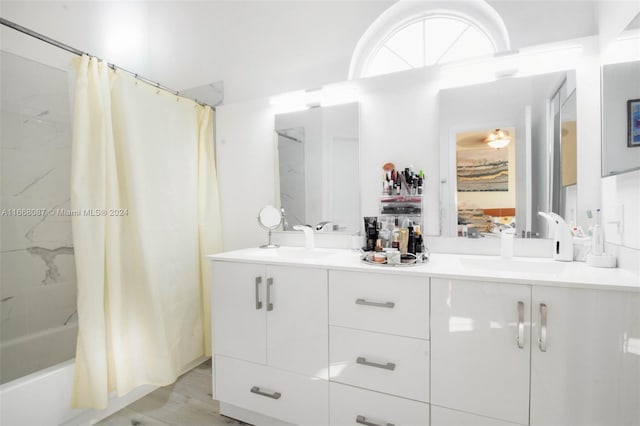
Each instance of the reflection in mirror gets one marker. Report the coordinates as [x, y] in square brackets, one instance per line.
[317, 172]
[620, 118]
[564, 188]
[486, 181]
[468, 114]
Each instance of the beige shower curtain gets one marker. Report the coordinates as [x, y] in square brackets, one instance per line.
[145, 190]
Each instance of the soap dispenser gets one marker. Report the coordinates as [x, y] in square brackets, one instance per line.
[562, 238]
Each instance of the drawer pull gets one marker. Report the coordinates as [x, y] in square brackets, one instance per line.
[258, 301]
[269, 302]
[274, 395]
[520, 338]
[542, 341]
[363, 421]
[376, 304]
[388, 366]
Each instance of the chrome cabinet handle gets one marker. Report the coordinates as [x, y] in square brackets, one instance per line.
[520, 325]
[272, 395]
[542, 341]
[363, 421]
[376, 304]
[388, 366]
[258, 301]
[269, 303]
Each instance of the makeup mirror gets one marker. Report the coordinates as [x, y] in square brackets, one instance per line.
[269, 218]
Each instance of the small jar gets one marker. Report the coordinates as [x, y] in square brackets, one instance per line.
[379, 257]
[393, 257]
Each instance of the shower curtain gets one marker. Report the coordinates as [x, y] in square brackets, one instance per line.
[144, 195]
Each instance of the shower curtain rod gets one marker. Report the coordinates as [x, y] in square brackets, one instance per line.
[78, 52]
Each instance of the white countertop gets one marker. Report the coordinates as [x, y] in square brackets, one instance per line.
[520, 270]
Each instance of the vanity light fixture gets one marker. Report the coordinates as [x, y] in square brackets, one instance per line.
[313, 98]
[498, 139]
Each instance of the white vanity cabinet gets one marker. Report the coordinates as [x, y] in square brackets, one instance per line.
[378, 348]
[324, 344]
[585, 360]
[539, 355]
[270, 339]
[480, 349]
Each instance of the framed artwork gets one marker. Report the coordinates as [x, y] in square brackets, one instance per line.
[483, 170]
[633, 123]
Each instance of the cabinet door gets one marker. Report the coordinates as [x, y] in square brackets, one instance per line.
[480, 348]
[239, 327]
[297, 320]
[585, 370]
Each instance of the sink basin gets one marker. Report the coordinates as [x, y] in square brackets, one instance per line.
[532, 266]
[298, 253]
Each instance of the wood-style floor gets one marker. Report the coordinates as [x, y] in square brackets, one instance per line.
[187, 402]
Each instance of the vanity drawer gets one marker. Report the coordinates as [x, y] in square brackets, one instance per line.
[386, 303]
[382, 362]
[349, 404]
[286, 396]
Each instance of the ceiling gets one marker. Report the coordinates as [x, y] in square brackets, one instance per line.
[256, 48]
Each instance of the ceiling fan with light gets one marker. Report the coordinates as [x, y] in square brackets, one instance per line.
[497, 139]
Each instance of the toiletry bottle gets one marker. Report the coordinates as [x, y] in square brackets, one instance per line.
[411, 243]
[597, 238]
[419, 243]
[395, 235]
[506, 243]
[384, 235]
[404, 240]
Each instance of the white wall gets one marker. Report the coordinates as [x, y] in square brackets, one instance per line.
[613, 17]
[620, 212]
[245, 165]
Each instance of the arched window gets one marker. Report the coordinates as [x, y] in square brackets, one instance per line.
[414, 34]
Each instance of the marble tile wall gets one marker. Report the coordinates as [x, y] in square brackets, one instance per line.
[37, 271]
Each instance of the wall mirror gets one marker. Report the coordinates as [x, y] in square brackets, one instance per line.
[620, 118]
[487, 188]
[317, 175]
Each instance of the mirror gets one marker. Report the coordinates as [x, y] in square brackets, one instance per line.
[317, 175]
[269, 218]
[503, 187]
[620, 118]
[486, 181]
[564, 187]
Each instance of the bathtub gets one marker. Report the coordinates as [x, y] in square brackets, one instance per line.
[34, 352]
[42, 398]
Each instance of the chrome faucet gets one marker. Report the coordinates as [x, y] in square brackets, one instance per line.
[308, 235]
[326, 225]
